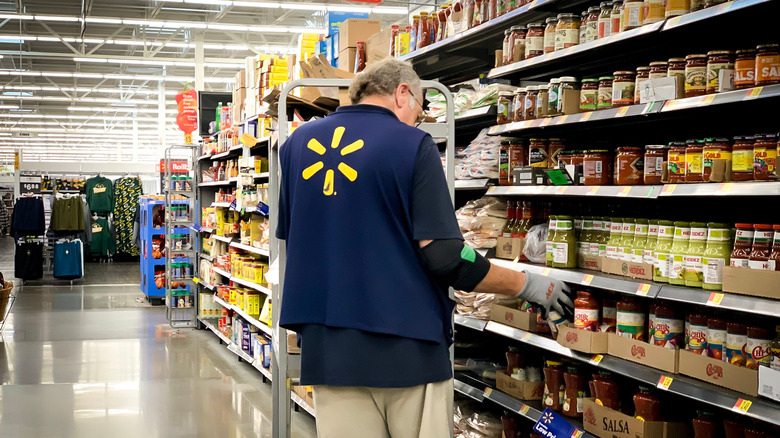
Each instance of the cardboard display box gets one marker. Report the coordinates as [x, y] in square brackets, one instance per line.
[641, 352]
[346, 60]
[769, 383]
[753, 282]
[719, 373]
[509, 248]
[590, 262]
[319, 67]
[333, 19]
[378, 46]
[608, 423]
[643, 271]
[513, 317]
[292, 343]
[582, 340]
[518, 389]
[353, 30]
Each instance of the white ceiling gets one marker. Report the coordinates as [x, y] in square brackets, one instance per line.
[83, 77]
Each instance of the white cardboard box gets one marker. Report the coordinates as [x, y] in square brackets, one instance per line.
[769, 383]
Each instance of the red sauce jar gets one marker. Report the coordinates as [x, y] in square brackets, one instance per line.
[630, 319]
[647, 405]
[630, 166]
[659, 69]
[623, 87]
[743, 246]
[745, 69]
[655, 159]
[676, 163]
[694, 160]
[758, 347]
[695, 75]
[768, 64]
[554, 389]
[575, 392]
[734, 428]
[586, 312]
[774, 258]
[597, 167]
[763, 235]
[518, 104]
[518, 155]
[715, 149]
[534, 40]
[696, 339]
[642, 75]
[764, 157]
[742, 158]
[607, 391]
[705, 425]
[539, 153]
[669, 327]
[716, 338]
[717, 60]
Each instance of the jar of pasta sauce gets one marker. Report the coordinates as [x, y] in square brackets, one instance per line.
[745, 69]
[549, 35]
[623, 88]
[529, 107]
[742, 158]
[695, 75]
[764, 156]
[567, 31]
[717, 60]
[693, 160]
[718, 148]
[632, 14]
[653, 11]
[589, 92]
[597, 168]
[534, 40]
[767, 64]
[642, 75]
[518, 113]
[605, 92]
[630, 166]
[655, 158]
[539, 153]
[676, 163]
[659, 69]
[556, 147]
[676, 69]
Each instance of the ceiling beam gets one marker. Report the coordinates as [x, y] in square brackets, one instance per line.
[56, 35]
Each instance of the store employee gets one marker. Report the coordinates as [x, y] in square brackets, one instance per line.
[372, 246]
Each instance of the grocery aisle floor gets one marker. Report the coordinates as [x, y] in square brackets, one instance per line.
[95, 360]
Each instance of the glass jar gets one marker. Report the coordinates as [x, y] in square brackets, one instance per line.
[616, 17]
[675, 8]
[774, 257]
[736, 343]
[567, 83]
[716, 255]
[575, 392]
[717, 60]
[662, 253]
[682, 236]
[549, 35]
[607, 390]
[694, 150]
[589, 91]
[567, 31]
[696, 333]
[640, 241]
[767, 64]
[745, 69]
[653, 11]
[597, 167]
[676, 164]
[647, 405]
[693, 268]
[529, 106]
[604, 24]
[534, 40]
[554, 389]
[716, 338]
[631, 165]
[695, 75]
[659, 69]
[583, 25]
[697, 5]
[518, 155]
[764, 157]
[604, 92]
[630, 319]
[632, 14]
[542, 100]
[504, 108]
[655, 157]
[556, 147]
[423, 31]
[757, 351]
[668, 326]
[718, 148]
[625, 251]
[586, 312]
[503, 164]
[743, 246]
[742, 158]
[517, 104]
[762, 242]
[553, 97]
[538, 153]
[517, 49]
[506, 48]
[642, 75]
[648, 257]
[676, 69]
[415, 32]
[592, 30]
[623, 86]
[705, 425]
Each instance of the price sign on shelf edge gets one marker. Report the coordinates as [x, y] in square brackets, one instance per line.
[30, 184]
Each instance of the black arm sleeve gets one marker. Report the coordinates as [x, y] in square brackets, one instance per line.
[452, 263]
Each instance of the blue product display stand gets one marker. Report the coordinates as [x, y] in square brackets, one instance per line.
[149, 207]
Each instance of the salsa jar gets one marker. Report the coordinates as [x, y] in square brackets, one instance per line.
[675, 8]
[676, 164]
[567, 83]
[717, 60]
[538, 153]
[567, 31]
[529, 106]
[758, 340]
[518, 155]
[584, 18]
[556, 147]
[693, 160]
[597, 168]
[743, 246]
[736, 343]
[695, 75]
[592, 29]
[653, 11]
[589, 91]
[604, 92]
[616, 16]
[696, 337]
[642, 75]
[586, 312]
[549, 35]
[632, 14]
[647, 405]
[604, 24]
[659, 69]
[630, 319]
[767, 64]
[507, 48]
[504, 177]
[761, 249]
[517, 104]
[676, 67]
[517, 45]
[534, 40]
[554, 389]
[630, 165]
[718, 148]
[764, 156]
[742, 158]
[669, 327]
[655, 157]
[706, 425]
[576, 383]
[607, 390]
[504, 107]
[623, 86]
[716, 338]
[745, 69]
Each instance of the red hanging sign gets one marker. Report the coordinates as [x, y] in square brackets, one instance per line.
[187, 106]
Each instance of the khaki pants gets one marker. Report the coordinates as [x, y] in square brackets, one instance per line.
[423, 411]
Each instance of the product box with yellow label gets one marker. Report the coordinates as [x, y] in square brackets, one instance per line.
[608, 423]
[582, 340]
[517, 388]
[753, 282]
[513, 317]
[641, 352]
[719, 372]
[643, 271]
[510, 248]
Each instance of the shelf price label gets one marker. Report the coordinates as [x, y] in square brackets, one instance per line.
[488, 391]
[586, 280]
[563, 119]
[715, 299]
[195, 280]
[669, 189]
[561, 189]
[725, 187]
[622, 111]
[532, 4]
[546, 271]
[753, 92]
[643, 289]
[593, 190]
[586, 116]
[595, 360]
[546, 121]
[664, 383]
[524, 409]
[526, 336]
[708, 99]
[624, 191]
[674, 21]
[742, 406]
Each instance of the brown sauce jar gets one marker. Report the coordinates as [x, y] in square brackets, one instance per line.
[768, 64]
[642, 75]
[623, 88]
[717, 60]
[714, 149]
[676, 162]
[659, 69]
[745, 69]
[597, 168]
[695, 75]
[693, 160]
[630, 166]
[655, 159]
[764, 157]
[742, 158]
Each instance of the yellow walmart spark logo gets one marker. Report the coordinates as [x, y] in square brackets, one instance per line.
[547, 418]
[351, 174]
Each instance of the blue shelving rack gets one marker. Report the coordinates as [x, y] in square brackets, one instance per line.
[149, 207]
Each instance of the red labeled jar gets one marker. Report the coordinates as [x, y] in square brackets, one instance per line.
[694, 161]
[696, 340]
[763, 235]
[745, 69]
[655, 159]
[758, 347]
[597, 168]
[623, 86]
[743, 246]
[518, 155]
[647, 405]
[767, 64]
[676, 164]
[631, 166]
[695, 75]
[774, 257]
[715, 149]
[518, 113]
[534, 40]
[669, 327]
[716, 338]
[576, 383]
[736, 343]
[742, 158]
[586, 312]
[764, 157]
[554, 389]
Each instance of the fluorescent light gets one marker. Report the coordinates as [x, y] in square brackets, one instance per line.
[339, 8]
[17, 16]
[119, 110]
[103, 20]
[303, 7]
[56, 18]
[212, 80]
[9, 106]
[236, 27]
[263, 5]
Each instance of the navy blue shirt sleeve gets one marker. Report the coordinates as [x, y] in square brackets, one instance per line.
[283, 215]
[433, 215]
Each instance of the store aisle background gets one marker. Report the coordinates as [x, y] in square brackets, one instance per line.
[95, 360]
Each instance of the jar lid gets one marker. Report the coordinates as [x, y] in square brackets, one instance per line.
[556, 139]
[762, 226]
[696, 56]
[763, 46]
[743, 137]
[415, 17]
[507, 32]
[606, 78]
[537, 24]
[505, 93]
[568, 79]
[659, 64]
[589, 80]
[682, 224]
[532, 88]
[555, 81]
[720, 52]
[623, 73]
[656, 146]
[505, 142]
[520, 90]
[516, 28]
[567, 15]
[721, 140]
[593, 9]
[746, 52]
[645, 68]
[604, 4]
[691, 141]
[716, 225]
[597, 151]
[629, 148]
[551, 20]
[677, 144]
[770, 136]
[676, 59]
[423, 14]
[743, 225]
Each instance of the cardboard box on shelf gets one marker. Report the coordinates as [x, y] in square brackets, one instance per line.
[570, 101]
[590, 262]
[755, 282]
[513, 317]
[769, 383]
[719, 373]
[519, 389]
[346, 60]
[333, 19]
[582, 340]
[608, 423]
[509, 248]
[320, 68]
[240, 79]
[641, 352]
[292, 343]
[353, 30]
[642, 271]
[378, 46]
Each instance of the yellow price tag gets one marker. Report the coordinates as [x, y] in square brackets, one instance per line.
[524, 410]
[526, 336]
[643, 289]
[708, 99]
[488, 391]
[593, 190]
[546, 271]
[595, 360]
[546, 121]
[754, 92]
[563, 119]
[725, 187]
[622, 111]
[674, 21]
[586, 116]
[715, 299]
[196, 280]
[669, 188]
[577, 433]
[742, 405]
[624, 191]
[561, 189]
[532, 4]
[664, 383]
[587, 279]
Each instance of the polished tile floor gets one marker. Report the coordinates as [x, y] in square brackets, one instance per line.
[95, 360]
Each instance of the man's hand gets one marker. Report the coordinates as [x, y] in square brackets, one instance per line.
[547, 293]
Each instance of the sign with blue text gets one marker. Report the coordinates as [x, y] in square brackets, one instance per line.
[551, 425]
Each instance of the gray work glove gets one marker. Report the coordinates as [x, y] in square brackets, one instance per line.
[547, 293]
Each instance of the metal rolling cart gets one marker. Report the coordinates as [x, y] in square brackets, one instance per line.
[181, 307]
[285, 367]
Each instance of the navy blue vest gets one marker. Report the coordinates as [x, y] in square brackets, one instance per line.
[351, 260]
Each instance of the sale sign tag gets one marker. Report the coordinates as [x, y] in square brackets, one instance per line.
[551, 425]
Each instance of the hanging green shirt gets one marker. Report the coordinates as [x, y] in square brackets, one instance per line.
[102, 238]
[100, 194]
